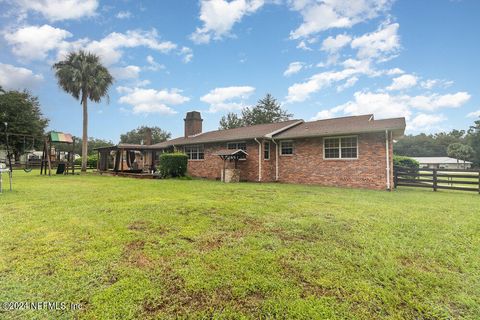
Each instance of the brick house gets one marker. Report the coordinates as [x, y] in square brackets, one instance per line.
[349, 151]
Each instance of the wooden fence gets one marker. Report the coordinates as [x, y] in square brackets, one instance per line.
[450, 179]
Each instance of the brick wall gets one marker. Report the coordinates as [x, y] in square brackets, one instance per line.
[307, 165]
[212, 165]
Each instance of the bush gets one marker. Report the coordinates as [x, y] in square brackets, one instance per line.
[91, 161]
[405, 162]
[173, 165]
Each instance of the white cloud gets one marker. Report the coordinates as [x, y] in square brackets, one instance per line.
[110, 48]
[425, 122]
[56, 10]
[431, 83]
[227, 98]
[153, 65]
[348, 84]
[187, 54]
[384, 105]
[380, 44]
[34, 42]
[403, 82]
[324, 114]
[124, 15]
[332, 44]
[293, 68]
[128, 72]
[219, 16]
[474, 114]
[436, 101]
[327, 14]
[17, 78]
[299, 92]
[303, 45]
[394, 72]
[151, 100]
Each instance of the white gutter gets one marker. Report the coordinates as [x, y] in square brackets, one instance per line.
[259, 159]
[276, 159]
[387, 145]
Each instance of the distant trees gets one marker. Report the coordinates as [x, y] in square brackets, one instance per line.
[267, 110]
[423, 145]
[473, 140]
[137, 136]
[230, 121]
[459, 144]
[460, 151]
[21, 110]
[93, 143]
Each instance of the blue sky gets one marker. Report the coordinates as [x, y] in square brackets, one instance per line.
[319, 58]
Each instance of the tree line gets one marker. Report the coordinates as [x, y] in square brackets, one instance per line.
[459, 144]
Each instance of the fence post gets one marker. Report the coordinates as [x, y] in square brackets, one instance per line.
[434, 179]
[395, 177]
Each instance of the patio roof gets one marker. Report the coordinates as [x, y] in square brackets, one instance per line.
[128, 146]
[231, 152]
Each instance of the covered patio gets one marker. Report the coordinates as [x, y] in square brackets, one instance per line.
[128, 160]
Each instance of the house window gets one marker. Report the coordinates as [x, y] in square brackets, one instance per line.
[236, 146]
[286, 148]
[266, 150]
[340, 148]
[195, 152]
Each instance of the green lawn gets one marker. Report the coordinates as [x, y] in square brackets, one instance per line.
[126, 248]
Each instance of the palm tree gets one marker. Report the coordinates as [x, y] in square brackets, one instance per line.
[83, 76]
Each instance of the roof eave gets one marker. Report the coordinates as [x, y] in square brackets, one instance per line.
[399, 130]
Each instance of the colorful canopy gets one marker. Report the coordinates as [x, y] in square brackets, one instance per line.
[61, 137]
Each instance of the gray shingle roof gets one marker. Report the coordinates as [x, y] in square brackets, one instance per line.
[243, 133]
[344, 125]
[295, 129]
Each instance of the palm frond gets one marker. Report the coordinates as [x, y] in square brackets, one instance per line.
[81, 74]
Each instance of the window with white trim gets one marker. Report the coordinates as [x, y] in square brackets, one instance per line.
[236, 146]
[194, 152]
[286, 148]
[266, 150]
[340, 148]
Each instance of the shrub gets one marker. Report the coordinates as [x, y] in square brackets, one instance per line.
[405, 162]
[91, 161]
[173, 165]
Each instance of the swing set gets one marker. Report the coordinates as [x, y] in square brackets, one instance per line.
[51, 157]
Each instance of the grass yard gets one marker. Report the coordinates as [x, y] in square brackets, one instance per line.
[126, 248]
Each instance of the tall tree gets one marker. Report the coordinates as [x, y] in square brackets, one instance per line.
[137, 136]
[267, 110]
[21, 110]
[230, 121]
[473, 139]
[83, 76]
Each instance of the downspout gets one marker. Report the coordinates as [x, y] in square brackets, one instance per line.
[276, 159]
[387, 145]
[259, 159]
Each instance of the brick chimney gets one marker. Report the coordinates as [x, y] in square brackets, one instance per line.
[193, 123]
